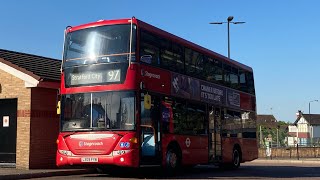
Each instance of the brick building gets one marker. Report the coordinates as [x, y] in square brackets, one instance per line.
[29, 124]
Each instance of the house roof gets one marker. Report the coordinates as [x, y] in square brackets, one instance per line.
[265, 118]
[312, 119]
[36, 66]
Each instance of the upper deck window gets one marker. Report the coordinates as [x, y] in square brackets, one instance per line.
[161, 52]
[99, 45]
[166, 52]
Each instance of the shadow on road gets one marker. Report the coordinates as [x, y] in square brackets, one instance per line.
[211, 172]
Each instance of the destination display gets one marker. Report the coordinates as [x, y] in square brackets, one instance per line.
[95, 77]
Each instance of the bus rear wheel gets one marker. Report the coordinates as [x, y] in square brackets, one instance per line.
[236, 158]
[235, 163]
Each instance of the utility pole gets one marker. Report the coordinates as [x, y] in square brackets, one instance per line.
[277, 136]
[261, 142]
[311, 132]
[229, 21]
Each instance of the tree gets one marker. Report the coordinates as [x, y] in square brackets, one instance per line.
[271, 129]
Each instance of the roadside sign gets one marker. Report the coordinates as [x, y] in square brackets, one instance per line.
[268, 152]
[5, 120]
[269, 139]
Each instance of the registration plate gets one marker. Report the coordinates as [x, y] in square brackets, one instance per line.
[89, 159]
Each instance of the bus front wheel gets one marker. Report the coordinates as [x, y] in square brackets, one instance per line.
[172, 159]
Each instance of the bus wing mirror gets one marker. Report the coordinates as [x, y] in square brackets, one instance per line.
[58, 108]
[147, 101]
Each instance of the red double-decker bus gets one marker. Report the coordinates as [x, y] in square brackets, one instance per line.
[135, 95]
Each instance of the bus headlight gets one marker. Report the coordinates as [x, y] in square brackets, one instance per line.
[65, 152]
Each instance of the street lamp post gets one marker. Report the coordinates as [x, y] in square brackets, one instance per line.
[311, 102]
[229, 20]
[311, 133]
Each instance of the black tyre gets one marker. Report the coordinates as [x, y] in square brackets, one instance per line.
[173, 159]
[236, 158]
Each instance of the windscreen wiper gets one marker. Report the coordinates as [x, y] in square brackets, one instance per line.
[70, 133]
[116, 133]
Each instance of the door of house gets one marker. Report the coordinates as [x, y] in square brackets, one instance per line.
[8, 130]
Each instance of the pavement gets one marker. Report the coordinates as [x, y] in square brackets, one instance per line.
[10, 172]
[290, 161]
[7, 172]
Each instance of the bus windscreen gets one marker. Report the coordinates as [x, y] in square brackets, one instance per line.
[98, 111]
[102, 44]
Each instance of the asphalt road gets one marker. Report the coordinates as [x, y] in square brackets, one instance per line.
[250, 170]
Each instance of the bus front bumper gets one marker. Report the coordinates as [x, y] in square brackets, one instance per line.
[126, 158]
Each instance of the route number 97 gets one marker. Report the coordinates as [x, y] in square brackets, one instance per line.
[113, 75]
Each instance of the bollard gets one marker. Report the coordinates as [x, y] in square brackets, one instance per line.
[298, 151]
[290, 153]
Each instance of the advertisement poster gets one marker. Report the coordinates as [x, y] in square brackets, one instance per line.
[212, 94]
[185, 87]
[233, 98]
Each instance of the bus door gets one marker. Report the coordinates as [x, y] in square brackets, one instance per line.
[150, 130]
[215, 147]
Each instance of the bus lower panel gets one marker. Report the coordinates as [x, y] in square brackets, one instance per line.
[129, 159]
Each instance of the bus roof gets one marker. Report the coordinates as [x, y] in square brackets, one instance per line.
[163, 33]
[99, 23]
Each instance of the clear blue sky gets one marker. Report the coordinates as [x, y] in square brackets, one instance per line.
[280, 39]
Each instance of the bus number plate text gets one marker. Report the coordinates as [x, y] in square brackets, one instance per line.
[89, 159]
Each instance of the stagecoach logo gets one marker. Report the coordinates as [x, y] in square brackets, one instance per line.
[188, 142]
[89, 144]
[150, 75]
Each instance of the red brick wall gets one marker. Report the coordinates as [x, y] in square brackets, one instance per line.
[13, 87]
[44, 128]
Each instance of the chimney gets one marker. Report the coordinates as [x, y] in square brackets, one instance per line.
[299, 114]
